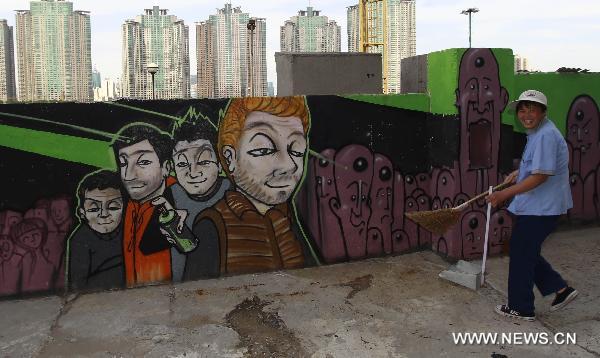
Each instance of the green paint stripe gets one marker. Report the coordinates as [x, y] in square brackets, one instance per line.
[412, 101]
[84, 129]
[73, 149]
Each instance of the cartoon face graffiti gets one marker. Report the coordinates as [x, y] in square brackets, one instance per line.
[8, 219]
[324, 180]
[410, 227]
[141, 170]
[326, 229]
[500, 230]
[353, 176]
[102, 209]
[38, 213]
[473, 234]
[445, 188]
[410, 184]
[196, 166]
[268, 162]
[59, 210]
[583, 126]
[31, 239]
[382, 200]
[6, 249]
[481, 100]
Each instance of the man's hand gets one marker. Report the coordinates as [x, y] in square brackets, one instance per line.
[497, 198]
[162, 201]
[511, 178]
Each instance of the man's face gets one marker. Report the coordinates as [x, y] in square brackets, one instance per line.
[102, 209]
[59, 210]
[530, 115]
[140, 169]
[31, 239]
[269, 159]
[196, 166]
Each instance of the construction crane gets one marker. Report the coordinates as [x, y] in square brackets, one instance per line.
[372, 15]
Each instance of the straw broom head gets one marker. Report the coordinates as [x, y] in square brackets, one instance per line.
[439, 221]
[436, 221]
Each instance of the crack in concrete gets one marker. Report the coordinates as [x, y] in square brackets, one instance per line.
[66, 305]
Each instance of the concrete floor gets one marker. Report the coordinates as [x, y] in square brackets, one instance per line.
[387, 307]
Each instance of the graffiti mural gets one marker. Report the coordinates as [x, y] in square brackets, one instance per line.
[263, 147]
[130, 193]
[583, 139]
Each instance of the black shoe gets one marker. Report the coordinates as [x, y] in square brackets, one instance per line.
[504, 310]
[563, 298]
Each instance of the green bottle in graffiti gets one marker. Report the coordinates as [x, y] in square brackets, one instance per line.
[184, 241]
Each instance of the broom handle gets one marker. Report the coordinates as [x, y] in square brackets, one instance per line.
[485, 193]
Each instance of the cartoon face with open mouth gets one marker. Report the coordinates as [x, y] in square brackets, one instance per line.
[481, 100]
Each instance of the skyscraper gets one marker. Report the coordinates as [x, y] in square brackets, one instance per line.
[108, 90]
[8, 90]
[162, 39]
[310, 32]
[388, 27]
[352, 28]
[54, 52]
[521, 64]
[96, 79]
[231, 52]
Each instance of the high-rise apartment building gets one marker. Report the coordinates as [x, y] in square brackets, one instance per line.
[310, 32]
[388, 27]
[352, 28]
[155, 38]
[231, 52]
[54, 52]
[96, 79]
[521, 63]
[8, 89]
[108, 90]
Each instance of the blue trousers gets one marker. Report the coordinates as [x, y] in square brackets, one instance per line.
[527, 266]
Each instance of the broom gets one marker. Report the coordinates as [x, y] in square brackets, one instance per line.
[439, 221]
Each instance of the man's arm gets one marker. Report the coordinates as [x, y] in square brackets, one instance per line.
[529, 183]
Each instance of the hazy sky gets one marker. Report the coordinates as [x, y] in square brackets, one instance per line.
[550, 33]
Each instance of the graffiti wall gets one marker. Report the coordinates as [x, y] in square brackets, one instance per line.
[130, 193]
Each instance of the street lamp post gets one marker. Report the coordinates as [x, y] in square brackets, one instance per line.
[251, 26]
[469, 11]
[152, 69]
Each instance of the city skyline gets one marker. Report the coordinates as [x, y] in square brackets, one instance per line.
[548, 33]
